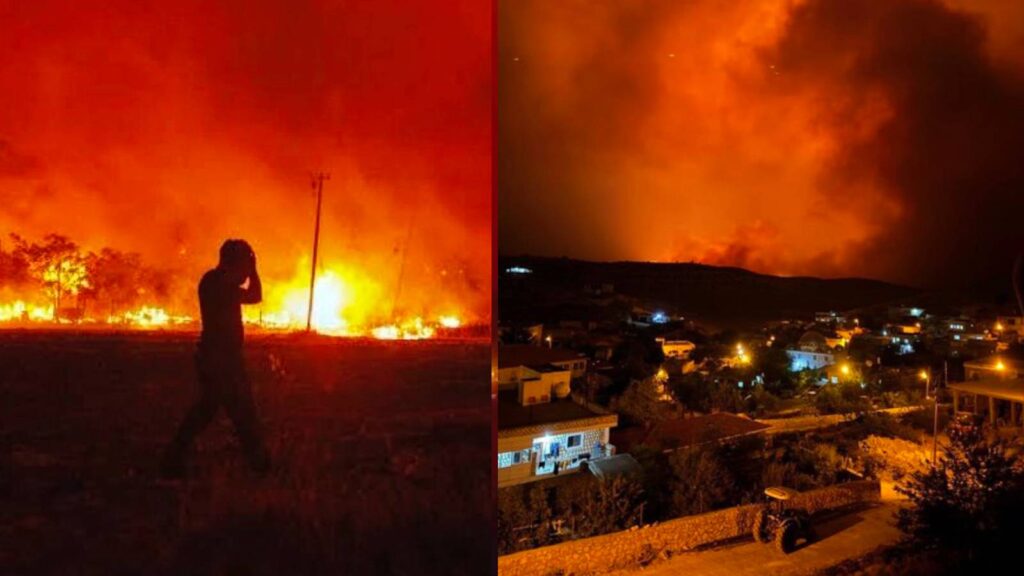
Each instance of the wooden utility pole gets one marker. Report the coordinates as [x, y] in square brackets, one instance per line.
[318, 185]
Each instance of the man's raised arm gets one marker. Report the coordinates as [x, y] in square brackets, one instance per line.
[253, 294]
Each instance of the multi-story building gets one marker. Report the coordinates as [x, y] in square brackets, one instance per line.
[993, 388]
[542, 430]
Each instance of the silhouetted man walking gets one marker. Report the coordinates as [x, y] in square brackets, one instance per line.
[219, 364]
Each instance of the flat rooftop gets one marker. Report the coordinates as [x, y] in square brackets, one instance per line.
[512, 414]
[525, 355]
[1010, 359]
[1002, 388]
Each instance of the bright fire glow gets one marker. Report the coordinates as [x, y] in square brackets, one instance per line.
[450, 321]
[148, 317]
[19, 310]
[347, 302]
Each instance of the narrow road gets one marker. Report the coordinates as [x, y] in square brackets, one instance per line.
[840, 539]
[805, 423]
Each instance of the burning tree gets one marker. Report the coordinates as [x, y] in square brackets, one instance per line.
[117, 279]
[13, 270]
[57, 264]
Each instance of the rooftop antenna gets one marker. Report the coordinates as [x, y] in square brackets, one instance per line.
[318, 185]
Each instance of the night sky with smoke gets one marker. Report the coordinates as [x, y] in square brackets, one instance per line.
[818, 137]
[164, 128]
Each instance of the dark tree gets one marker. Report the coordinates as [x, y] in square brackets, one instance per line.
[970, 501]
[609, 506]
[701, 481]
[116, 279]
[643, 402]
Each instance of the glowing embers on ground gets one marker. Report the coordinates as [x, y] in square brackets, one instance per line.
[149, 317]
[19, 311]
[346, 302]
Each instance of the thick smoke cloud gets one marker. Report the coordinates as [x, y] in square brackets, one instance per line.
[825, 137]
[164, 128]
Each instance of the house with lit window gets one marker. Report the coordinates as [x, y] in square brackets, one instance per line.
[812, 352]
[993, 389]
[1009, 325]
[676, 348]
[543, 430]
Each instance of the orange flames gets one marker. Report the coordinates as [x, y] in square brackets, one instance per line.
[347, 302]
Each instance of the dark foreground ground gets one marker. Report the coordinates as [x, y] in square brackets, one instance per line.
[383, 449]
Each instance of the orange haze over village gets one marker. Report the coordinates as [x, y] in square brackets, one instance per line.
[814, 137]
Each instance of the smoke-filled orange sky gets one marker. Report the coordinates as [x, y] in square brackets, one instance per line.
[166, 127]
[812, 137]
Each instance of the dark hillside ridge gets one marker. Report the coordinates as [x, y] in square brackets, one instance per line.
[705, 292]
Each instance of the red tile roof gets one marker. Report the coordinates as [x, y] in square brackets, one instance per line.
[678, 433]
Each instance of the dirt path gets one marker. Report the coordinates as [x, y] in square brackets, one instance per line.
[805, 423]
[841, 538]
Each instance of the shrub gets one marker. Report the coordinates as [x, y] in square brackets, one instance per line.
[701, 482]
[970, 500]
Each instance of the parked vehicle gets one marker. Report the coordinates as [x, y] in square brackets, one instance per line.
[782, 524]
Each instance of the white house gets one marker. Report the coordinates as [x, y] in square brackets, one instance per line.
[542, 430]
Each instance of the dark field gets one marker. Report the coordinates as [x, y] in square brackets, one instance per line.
[382, 457]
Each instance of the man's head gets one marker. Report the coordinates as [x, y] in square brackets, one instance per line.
[236, 258]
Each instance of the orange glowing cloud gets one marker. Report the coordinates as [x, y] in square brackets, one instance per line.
[819, 137]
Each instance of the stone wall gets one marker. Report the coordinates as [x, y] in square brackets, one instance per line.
[632, 547]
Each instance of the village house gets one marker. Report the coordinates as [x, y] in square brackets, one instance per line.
[543, 430]
[676, 348]
[812, 352]
[993, 388]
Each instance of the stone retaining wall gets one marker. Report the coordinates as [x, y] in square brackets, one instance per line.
[632, 547]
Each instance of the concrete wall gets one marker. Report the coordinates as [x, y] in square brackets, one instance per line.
[628, 549]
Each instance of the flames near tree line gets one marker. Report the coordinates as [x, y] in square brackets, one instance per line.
[54, 281]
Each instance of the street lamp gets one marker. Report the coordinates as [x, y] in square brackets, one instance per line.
[548, 340]
[925, 376]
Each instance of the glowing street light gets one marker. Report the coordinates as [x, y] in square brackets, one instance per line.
[548, 340]
[845, 369]
[1000, 366]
